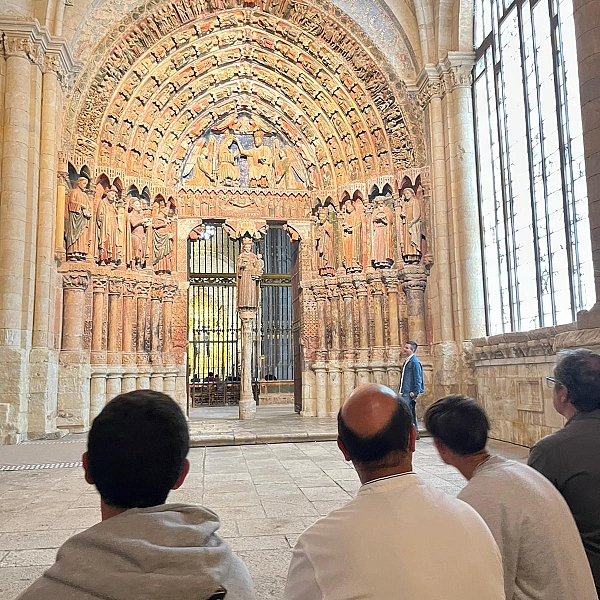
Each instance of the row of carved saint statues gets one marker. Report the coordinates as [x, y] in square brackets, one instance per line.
[117, 231]
[375, 219]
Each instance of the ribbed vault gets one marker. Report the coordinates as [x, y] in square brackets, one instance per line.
[181, 70]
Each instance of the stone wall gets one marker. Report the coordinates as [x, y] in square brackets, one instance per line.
[509, 372]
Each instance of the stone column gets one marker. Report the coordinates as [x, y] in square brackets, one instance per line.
[378, 349]
[100, 284]
[143, 291]
[335, 380]
[74, 372]
[414, 280]
[61, 193]
[247, 406]
[156, 382]
[320, 364]
[115, 312]
[155, 316]
[113, 385]
[16, 237]
[169, 292]
[362, 360]
[465, 207]
[320, 293]
[129, 317]
[348, 373]
[587, 33]
[321, 384]
[97, 394]
[390, 279]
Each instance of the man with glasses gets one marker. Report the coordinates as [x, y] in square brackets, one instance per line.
[570, 458]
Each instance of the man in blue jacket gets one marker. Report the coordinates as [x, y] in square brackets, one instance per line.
[411, 383]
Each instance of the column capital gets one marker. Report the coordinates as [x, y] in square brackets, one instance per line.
[115, 286]
[360, 283]
[28, 39]
[346, 287]
[99, 284]
[375, 283]
[456, 70]
[129, 286]
[333, 290]
[143, 289]
[414, 277]
[157, 291]
[76, 280]
[390, 278]
[429, 85]
[169, 292]
[247, 314]
[320, 291]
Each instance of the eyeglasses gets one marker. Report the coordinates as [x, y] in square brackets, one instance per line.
[551, 382]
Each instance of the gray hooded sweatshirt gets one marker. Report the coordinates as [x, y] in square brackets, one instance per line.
[166, 552]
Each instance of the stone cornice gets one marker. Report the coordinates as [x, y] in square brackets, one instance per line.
[27, 39]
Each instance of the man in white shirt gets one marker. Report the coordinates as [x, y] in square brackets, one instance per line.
[541, 548]
[400, 538]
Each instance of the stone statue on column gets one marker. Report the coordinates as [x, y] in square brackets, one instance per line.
[78, 218]
[106, 237]
[136, 246]
[162, 239]
[249, 270]
[382, 234]
[411, 213]
[352, 238]
[324, 243]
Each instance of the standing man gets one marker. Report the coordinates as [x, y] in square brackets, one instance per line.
[411, 383]
[569, 457]
[400, 537]
[541, 549]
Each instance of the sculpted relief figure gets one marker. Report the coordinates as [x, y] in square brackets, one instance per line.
[382, 235]
[249, 270]
[107, 246]
[411, 213]
[228, 154]
[260, 162]
[162, 240]
[204, 165]
[352, 238]
[324, 243]
[136, 233]
[77, 222]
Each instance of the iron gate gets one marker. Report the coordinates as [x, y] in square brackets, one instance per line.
[214, 358]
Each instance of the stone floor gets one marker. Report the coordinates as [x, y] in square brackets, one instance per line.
[265, 494]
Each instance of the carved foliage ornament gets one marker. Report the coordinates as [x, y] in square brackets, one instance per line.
[76, 280]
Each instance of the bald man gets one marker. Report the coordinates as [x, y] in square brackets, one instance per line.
[400, 538]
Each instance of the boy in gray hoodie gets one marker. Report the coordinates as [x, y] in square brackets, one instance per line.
[143, 549]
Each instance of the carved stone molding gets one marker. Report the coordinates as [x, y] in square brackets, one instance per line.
[76, 280]
[238, 228]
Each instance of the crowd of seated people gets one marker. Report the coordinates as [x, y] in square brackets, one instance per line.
[515, 532]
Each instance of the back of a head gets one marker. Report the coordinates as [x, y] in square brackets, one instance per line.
[460, 423]
[388, 445]
[137, 448]
[579, 371]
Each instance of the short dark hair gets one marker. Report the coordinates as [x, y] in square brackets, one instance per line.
[579, 371]
[384, 449]
[136, 449]
[459, 422]
[413, 345]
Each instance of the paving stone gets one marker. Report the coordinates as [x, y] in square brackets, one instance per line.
[29, 558]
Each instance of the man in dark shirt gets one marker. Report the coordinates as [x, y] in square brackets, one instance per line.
[570, 458]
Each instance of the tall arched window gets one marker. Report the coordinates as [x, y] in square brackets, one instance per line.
[531, 172]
